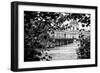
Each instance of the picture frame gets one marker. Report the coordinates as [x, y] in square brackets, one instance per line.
[64, 27]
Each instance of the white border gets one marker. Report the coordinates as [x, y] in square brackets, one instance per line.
[22, 64]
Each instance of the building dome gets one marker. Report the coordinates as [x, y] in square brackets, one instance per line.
[74, 25]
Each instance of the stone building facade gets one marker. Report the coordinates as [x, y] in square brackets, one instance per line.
[72, 32]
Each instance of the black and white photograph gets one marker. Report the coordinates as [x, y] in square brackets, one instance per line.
[52, 36]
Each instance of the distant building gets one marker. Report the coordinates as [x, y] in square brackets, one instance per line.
[72, 32]
[65, 34]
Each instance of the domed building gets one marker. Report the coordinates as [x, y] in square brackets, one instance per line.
[71, 32]
[68, 35]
